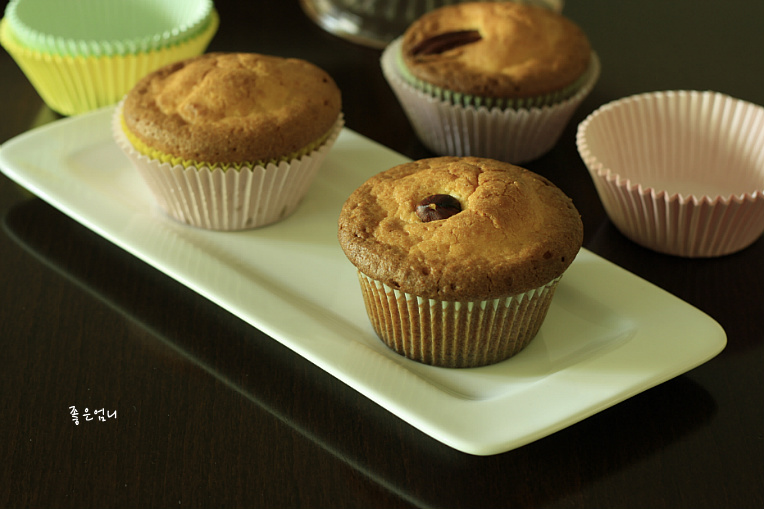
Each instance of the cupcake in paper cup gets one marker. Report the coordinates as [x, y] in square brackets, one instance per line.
[679, 172]
[230, 141]
[84, 55]
[491, 79]
[458, 258]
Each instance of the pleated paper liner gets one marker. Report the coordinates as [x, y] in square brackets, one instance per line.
[679, 172]
[99, 28]
[514, 135]
[228, 199]
[455, 334]
[71, 85]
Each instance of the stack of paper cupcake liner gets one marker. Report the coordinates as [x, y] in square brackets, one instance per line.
[455, 334]
[679, 172]
[84, 55]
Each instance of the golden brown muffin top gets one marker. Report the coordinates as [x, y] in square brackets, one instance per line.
[496, 49]
[233, 107]
[516, 230]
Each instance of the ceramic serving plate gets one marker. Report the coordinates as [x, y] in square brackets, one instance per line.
[608, 336]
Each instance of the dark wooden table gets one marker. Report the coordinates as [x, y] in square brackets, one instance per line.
[213, 413]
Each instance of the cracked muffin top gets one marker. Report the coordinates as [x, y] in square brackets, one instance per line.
[460, 229]
[233, 107]
[496, 49]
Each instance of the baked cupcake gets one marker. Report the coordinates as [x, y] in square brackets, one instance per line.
[230, 141]
[491, 79]
[84, 55]
[458, 257]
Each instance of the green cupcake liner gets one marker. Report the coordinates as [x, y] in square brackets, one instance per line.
[476, 101]
[105, 28]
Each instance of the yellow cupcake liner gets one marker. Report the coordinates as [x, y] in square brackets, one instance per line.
[455, 334]
[100, 28]
[71, 85]
[163, 157]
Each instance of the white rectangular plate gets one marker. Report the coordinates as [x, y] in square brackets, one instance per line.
[608, 335]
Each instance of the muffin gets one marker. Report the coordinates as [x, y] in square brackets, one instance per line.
[491, 79]
[230, 141]
[84, 55]
[458, 258]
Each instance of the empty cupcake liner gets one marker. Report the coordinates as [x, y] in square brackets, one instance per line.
[99, 28]
[679, 172]
[232, 199]
[512, 135]
[71, 85]
[455, 334]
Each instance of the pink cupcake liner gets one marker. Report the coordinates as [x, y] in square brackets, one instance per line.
[232, 199]
[679, 172]
[455, 334]
[512, 135]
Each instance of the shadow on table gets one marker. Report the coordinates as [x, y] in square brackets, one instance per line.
[351, 428]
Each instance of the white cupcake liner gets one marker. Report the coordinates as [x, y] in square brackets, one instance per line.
[232, 199]
[512, 135]
[679, 172]
[455, 334]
